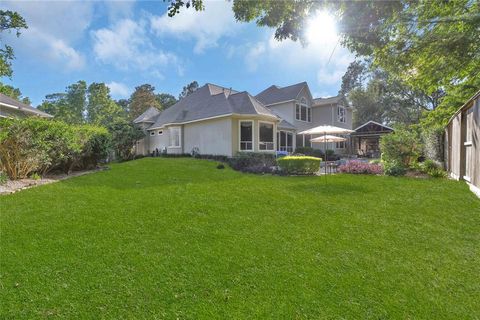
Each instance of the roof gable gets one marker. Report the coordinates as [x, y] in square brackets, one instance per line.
[210, 101]
[373, 126]
[148, 116]
[275, 94]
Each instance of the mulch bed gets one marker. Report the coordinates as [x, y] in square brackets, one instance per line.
[12, 186]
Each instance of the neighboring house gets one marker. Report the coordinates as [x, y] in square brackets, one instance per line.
[365, 141]
[221, 121]
[11, 108]
[462, 144]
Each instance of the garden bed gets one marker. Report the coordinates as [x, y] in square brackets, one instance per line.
[12, 186]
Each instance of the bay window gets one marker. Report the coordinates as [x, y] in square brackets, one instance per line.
[285, 141]
[265, 134]
[246, 135]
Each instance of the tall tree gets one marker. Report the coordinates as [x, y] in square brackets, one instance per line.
[166, 100]
[188, 89]
[101, 109]
[141, 99]
[14, 93]
[9, 21]
[77, 101]
[429, 45]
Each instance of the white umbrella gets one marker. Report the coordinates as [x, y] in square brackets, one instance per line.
[328, 138]
[326, 130]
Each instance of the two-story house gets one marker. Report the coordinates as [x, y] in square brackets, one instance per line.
[221, 121]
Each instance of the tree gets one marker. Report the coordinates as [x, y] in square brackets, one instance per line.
[378, 96]
[141, 99]
[68, 106]
[14, 93]
[9, 21]
[166, 100]
[101, 109]
[124, 104]
[77, 102]
[431, 46]
[188, 89]
[124, 135]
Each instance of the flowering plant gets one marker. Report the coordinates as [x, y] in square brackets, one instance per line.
[360, 167]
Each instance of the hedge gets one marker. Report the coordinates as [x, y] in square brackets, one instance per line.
[35, 145]
[299, 164]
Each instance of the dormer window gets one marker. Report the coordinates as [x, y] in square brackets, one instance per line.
[152, 133]
[341, 114]
[303, 111]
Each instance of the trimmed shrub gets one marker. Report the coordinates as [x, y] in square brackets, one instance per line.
[394, 168]
[38, 145]
[253, 162]
[404, 146]
[299, 165]
[360, 167]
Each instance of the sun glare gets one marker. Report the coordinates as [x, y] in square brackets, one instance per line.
[321, 28]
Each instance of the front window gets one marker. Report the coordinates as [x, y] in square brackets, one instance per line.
[303, 111]
[246, 135]
[285, 141]
[341, 114]
[175, 137]
[340, 145]
[152, 133]
[160, 132]
[265, 141]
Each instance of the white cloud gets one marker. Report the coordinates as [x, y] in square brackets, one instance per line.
[254, 55]
[206, 27]
[54, 28]
[118, 89]
[126, 46]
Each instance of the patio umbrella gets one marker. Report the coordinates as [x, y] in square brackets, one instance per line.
[328, 138]
[324, 131]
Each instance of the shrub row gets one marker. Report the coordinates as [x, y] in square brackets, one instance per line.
[299, 165]
[360, 167]
[253, 162]
[34, 145]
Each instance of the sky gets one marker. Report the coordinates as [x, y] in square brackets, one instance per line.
[128, 43]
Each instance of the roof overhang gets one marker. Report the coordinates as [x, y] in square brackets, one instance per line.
[466, 105]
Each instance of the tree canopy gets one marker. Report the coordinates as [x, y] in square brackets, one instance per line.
[189, 88]
[141, 99]
[14, 93]
[429, 46]
[9, 21]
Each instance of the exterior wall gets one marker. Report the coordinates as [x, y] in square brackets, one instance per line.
[210, 137]
[327, 115]
[285, 110]
[157, 141]
[463, 144]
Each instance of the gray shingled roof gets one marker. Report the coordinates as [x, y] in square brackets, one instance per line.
[211, 101]
[275, 94]
[324, 101]
[8, 102]
[148, 116]
[284, 124]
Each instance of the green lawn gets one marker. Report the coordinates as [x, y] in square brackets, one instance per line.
[178, 238]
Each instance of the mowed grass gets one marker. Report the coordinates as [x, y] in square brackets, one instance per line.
[178, 238]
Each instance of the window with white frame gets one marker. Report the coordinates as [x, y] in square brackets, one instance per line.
[246, 135]
[341, 114]
[285, 141]
[265, 134]
[303, 111]
[175, 137]
[160, 132]
[340, 145]
[152, 133]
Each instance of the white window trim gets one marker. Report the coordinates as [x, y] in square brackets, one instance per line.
[240, 135]
[274, 136]
[303, 104]
[160, 132]
[179, 138]
[152, 133]
[344, 114]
